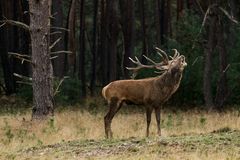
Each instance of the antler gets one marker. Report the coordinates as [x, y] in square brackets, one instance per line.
[164, 55]
[162, 66]
[139, 65]
[176, 54]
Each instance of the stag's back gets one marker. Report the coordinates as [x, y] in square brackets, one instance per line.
[130, 90]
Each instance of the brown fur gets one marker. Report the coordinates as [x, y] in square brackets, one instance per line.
[151, 92]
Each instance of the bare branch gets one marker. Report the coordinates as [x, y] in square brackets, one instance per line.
[2, 25]
[59, 52]
[3, 87]
[54, 57]
[203, 23]
[226, 68]
[205, 18]
[228, 15]
[54, 43]
[57, 32]
[15, 23]
[60, 28]
[22, 82]
[18, 54]
[22, 77]
[22, 57]
[59, 84]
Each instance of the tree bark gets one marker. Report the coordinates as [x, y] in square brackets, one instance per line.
[180, 6]
[144, 31]
[103, 44]
[234, 6]
[207, 77]
[127, 19]
[158, 21]
[57, 21]
[82, 50]
[168, 20]
[4, 46]
[112, 38]
[72, 37]
[222, 87]
[162, 22]
[24, 36]
[94, 49]
[42, 76]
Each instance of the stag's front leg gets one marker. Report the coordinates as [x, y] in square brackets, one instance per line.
[114, 107]
[148, 114]
[158, 118]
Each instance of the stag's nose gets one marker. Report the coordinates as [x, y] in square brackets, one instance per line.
[183, 60]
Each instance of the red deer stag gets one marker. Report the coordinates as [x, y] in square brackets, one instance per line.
[151, 92]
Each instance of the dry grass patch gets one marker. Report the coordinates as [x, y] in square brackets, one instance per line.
[17, 132]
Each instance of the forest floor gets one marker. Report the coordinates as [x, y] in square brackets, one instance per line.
[77, 133]
[221, 144]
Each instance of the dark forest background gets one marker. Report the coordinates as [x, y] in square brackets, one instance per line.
[94, 39]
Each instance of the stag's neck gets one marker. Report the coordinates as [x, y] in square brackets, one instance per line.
[170, 79]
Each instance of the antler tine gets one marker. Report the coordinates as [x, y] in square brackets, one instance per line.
[135, 62]
[176, 54]
[159, 72]
[150, 60]
[139, 65]
[164, 55]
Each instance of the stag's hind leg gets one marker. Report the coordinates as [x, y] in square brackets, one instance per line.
[148, 114]
[158, 118]
[114, 106]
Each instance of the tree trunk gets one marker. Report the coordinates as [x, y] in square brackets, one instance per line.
[158, 21]
[168, 20]
[234, 6]
[144, 31]
[127, 17]
[103, 44]
[190, 4]
[4, 45]
[162, 22]
[42, 69]
[82, 49]
[207, 77]
[222, 89]
[180, 6]
[57, 21]
[112, 39]
[94, 48]
[24, 36]
[71, 37]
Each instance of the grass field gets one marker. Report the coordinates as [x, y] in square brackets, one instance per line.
[79, 134]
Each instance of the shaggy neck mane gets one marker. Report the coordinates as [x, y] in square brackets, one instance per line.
[170, 78]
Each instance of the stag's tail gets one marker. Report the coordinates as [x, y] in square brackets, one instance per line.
[104, 92]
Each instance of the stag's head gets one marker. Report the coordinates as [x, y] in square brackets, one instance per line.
[175, 63]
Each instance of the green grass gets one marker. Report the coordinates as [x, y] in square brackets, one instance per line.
[77, 132]
[204, 146]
